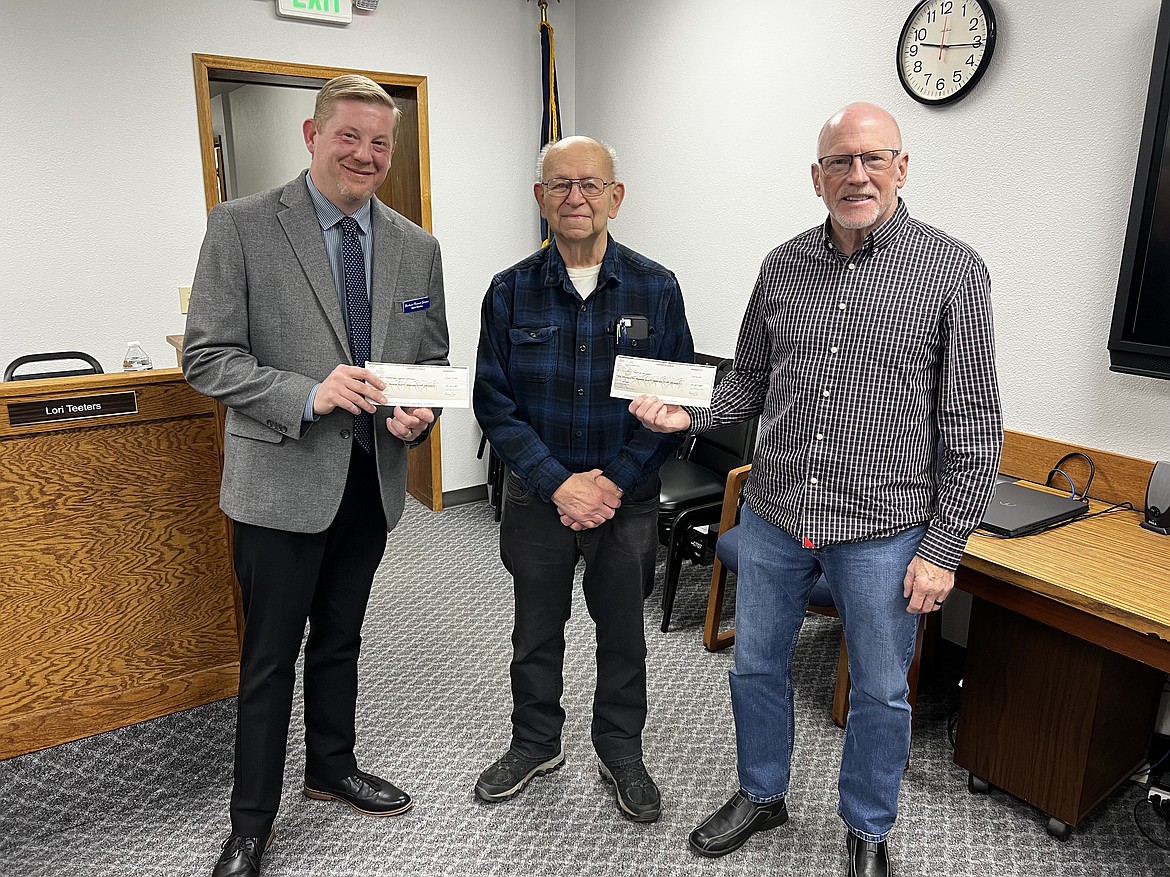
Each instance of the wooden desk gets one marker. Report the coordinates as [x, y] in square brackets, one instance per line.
[118, 597]
[1069, 635]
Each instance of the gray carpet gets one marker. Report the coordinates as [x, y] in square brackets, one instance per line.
[152, 799]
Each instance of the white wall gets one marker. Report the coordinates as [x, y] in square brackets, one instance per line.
[261, 160]
[102, 190]
[715, 107]
[103, 199]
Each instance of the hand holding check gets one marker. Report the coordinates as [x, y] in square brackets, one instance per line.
[659, 416]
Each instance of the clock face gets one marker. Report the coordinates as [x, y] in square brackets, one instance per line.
[944, 48]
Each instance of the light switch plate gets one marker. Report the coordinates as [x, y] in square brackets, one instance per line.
[184, 298]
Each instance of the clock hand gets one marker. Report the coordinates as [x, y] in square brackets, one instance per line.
[945, 45]
[942, 38]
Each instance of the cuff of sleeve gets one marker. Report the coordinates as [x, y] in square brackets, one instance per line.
[309, 416]
[943, 549]
[701, 418]
[622, 473]
[546, 477]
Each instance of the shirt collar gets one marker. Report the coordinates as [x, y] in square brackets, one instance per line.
[329, 215]
[878, 239]
[555, 273]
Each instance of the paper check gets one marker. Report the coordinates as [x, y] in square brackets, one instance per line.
[425, 386]
[677, 383]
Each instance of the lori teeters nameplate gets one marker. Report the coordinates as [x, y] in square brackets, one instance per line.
[73, 408]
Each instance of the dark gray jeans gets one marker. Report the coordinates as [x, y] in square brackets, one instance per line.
[541, 553]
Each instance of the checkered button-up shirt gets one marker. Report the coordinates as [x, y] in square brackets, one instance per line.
[858, 366]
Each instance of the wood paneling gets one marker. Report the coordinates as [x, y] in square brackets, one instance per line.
[1117, 478]
[119, 599]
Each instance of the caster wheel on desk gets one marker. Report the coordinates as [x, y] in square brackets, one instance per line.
[1059, 830]
[977, 785]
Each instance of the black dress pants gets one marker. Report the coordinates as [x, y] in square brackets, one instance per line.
[287, 579]
[541, 553]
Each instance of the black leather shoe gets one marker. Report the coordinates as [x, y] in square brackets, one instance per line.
[241, 856]
[866, 859]
[729, 827]
[637, 796]
[364, 792]
[510, 773]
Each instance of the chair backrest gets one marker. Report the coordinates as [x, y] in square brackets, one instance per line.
[93, 367]
[727, 447]
[723, 449]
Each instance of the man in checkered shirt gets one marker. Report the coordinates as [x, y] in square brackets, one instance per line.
[867, 351]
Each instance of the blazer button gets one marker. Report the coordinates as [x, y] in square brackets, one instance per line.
[345, 433]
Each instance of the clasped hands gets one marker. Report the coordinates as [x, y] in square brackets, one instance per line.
[587, 500]
[357, 389]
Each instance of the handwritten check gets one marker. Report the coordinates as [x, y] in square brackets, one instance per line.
[422, 386]
[676, 383]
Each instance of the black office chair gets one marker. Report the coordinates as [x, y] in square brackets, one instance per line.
[692, 494]
[93, 367]
[495, 474]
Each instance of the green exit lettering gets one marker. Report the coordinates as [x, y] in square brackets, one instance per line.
[322, 5]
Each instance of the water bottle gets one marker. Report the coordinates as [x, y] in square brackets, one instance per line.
[136, 359]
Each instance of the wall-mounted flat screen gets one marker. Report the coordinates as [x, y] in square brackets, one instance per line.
[1139, 341]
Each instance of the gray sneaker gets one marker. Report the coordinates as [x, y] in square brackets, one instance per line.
[637, 796]
[511, 773]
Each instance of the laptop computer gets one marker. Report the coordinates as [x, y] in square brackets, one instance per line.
[1017, 510]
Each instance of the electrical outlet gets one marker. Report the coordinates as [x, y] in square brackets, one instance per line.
[184, 298]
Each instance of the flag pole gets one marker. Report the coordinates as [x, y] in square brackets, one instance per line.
[550, 127]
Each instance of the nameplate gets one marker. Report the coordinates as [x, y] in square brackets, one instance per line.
[73, 408]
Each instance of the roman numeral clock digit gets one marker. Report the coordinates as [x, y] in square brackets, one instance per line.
[944, 49]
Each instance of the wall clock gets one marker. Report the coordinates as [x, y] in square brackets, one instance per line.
[945, 48]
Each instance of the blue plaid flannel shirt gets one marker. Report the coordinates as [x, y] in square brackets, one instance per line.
[546, 360]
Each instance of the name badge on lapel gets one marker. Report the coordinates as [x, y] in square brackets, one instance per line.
[416, 304]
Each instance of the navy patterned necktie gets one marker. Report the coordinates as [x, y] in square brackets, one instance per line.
[357, 306]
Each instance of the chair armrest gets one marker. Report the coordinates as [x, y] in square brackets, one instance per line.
[735, 479]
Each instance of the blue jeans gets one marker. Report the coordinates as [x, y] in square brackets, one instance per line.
[776, 575]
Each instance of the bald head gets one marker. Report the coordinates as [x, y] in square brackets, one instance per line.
[859, 120]
[577, 220]
[860, 183]
[605, 154]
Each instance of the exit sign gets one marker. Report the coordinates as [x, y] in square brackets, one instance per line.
[332, 11]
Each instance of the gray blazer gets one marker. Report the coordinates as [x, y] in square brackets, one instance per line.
[264, 325]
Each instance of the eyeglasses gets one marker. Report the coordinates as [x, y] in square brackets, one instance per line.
[591, 187]
[872, 161]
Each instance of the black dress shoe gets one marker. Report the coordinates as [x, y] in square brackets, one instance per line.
[241, 856]
[364, 792]
[866, 859]
[729, 827]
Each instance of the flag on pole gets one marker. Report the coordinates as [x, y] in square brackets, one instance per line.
[550, 125]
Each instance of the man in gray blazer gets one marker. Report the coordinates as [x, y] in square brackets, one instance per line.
[295, 289]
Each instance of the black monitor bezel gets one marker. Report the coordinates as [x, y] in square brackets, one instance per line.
[1128, 356]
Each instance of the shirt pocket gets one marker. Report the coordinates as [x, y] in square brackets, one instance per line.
[534, 353]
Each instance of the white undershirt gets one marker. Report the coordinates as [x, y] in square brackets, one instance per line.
[584, 279]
